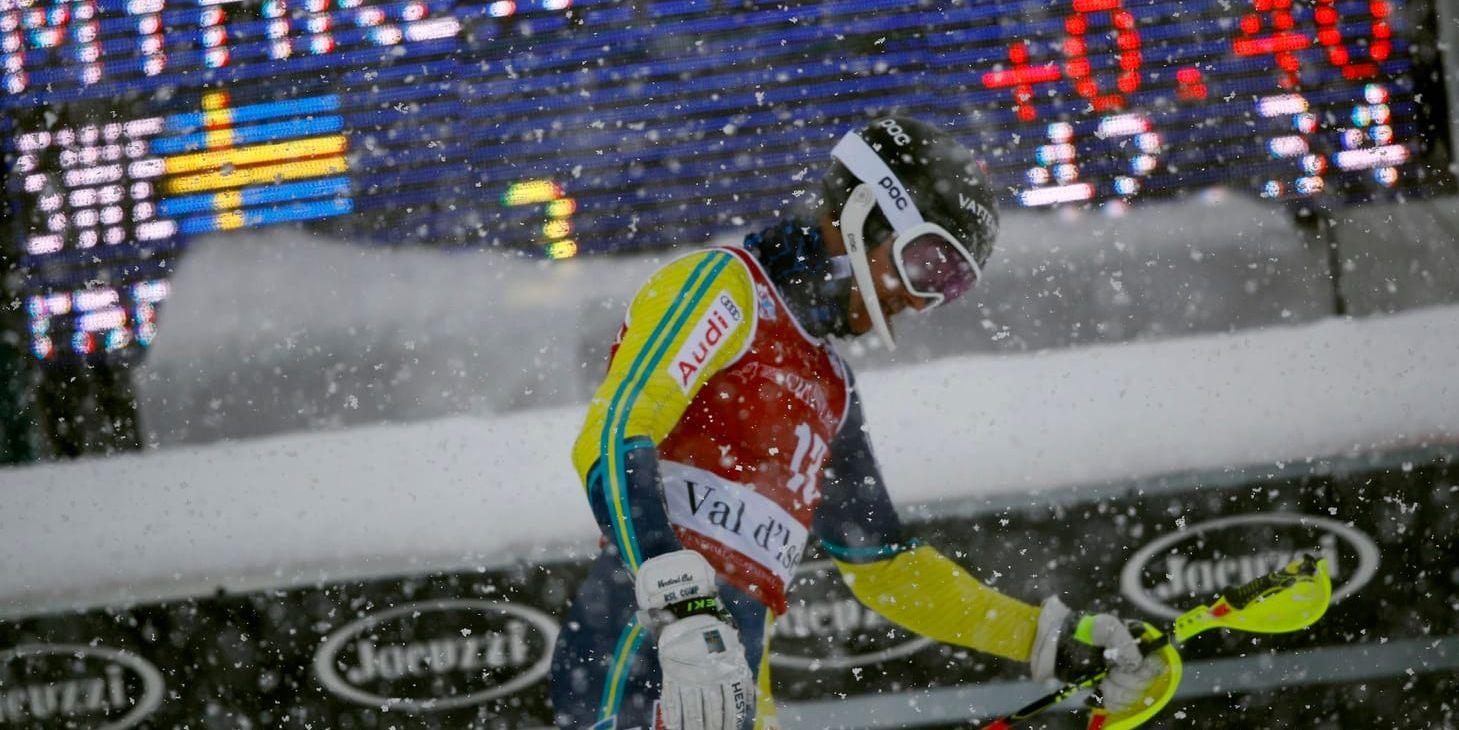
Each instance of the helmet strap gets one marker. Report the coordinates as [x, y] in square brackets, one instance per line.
[853, 230]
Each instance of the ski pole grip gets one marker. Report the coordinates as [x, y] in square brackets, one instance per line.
[1155, 644]
[1239, 596]
[1088, 679]
[1092, 676]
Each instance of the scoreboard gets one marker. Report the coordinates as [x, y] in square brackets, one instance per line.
[561, 127]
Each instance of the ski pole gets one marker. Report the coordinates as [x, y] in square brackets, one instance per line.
[1287, 600]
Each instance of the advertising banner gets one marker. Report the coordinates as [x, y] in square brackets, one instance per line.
[1387, 650]
[472, 649]
[452, 651]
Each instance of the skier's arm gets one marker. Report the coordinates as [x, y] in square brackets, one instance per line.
[692, 317]
[911, 584]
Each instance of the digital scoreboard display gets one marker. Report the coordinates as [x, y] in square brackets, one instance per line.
[577, 126]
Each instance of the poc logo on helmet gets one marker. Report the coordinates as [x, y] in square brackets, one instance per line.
[895, 130]
[899, 198]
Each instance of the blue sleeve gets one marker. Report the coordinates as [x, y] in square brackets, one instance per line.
[648, 532]
[856, 522]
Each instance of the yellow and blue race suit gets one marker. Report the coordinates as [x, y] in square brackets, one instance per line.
[724, 427]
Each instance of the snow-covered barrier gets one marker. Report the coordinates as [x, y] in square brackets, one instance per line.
[461, 492]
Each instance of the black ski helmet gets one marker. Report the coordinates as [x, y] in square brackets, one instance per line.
[942, 178]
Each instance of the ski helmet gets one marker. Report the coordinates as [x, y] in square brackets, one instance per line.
[899, 179]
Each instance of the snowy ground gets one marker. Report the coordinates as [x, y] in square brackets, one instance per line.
[463, 490]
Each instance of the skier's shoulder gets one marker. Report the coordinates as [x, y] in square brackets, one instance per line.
[717, 272]
[711, 263]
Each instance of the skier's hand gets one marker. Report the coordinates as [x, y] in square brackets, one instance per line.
[1067, 646]
[707, 684]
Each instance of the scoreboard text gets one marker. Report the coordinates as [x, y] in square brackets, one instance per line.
[567, 126]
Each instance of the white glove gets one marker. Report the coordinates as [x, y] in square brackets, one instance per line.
[1127, 689]
[707, 684]
[1059, 651]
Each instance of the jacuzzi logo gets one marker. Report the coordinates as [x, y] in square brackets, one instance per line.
[825, 627]
[1193, 564]
[437, 655]
[76, 686]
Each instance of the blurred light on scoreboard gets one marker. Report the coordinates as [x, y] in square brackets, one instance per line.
[104, 319]
[557, 229]
[563, 127]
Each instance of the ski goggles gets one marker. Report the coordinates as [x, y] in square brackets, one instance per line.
[933, 265]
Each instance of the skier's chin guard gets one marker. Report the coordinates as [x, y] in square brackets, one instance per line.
[1157, 696]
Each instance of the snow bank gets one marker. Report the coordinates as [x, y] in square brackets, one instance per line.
[469, 491]
[1063, 418]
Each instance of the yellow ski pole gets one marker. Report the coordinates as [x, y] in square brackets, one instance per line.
[1290, 599]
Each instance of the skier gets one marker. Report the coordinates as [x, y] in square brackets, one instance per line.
[728, 433]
